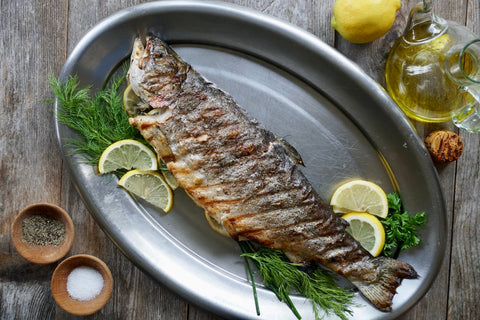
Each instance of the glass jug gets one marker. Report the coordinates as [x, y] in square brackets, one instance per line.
[433, 70]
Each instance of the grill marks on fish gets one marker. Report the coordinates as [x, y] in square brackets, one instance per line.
[243, 175]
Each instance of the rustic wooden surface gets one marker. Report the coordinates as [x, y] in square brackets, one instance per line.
[37, 36]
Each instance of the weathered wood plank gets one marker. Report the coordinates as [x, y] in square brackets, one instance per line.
[465, 259]
[313, 16]
[29, 171]
[24, 116]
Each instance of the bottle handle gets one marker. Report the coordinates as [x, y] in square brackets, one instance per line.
[472, 49]
[468, 118]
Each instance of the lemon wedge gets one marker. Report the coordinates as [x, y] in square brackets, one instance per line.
[150, 186]
[360, 196]
[367, 230]
[216, 226]
[127, 154]
[131, 101]
[170, 179]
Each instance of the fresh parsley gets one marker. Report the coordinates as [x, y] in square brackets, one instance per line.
[400, 227]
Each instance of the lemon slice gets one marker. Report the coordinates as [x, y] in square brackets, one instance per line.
[132, 103]
[127, 154]
[216, 226]
[367, 230]
[168, 176]
[150, 186]
[360, 196]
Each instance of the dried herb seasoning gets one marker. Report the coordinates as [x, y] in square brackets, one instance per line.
[42, 230]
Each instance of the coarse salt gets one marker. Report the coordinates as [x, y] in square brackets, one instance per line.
[84, 283]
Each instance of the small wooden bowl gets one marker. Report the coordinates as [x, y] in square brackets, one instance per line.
[42, 254]
[59, 285]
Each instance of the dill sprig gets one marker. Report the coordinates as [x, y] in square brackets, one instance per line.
[254, 287]
[100, 119]
[283, 277]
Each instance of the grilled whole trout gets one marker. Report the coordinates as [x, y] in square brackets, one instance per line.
[242, 175]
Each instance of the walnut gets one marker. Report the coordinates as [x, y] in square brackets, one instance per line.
[444, 146]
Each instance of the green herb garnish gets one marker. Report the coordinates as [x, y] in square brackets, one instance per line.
[100, 119]
[283, 277]
[400, 227]
[254, 287]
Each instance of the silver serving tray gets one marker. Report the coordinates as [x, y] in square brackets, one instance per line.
[341, 121]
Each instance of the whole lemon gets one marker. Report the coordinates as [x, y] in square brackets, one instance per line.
[361, 21]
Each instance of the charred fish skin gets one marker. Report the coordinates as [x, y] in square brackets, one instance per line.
[243, 176]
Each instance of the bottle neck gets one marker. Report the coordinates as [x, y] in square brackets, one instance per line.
[423, 25]
[427, 5]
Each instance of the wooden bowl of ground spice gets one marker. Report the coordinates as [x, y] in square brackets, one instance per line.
[82, 284]
[42, 233]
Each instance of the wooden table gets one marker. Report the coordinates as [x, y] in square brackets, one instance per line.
[37, 36]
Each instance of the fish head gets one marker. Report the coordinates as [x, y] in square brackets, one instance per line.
[156, 72]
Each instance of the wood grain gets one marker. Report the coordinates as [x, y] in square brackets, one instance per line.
[465, 256]
[36, 38]
[30, 167]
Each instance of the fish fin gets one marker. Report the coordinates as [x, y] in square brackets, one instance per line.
[291, 152]
[389, 275]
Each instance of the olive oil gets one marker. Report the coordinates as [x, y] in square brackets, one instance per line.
[416, 75]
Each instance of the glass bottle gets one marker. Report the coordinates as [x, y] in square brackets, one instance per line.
[432, 71]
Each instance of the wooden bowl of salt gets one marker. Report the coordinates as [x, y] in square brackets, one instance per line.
[82, 284]
[42, 233]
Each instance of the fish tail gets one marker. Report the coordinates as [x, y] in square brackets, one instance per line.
[389, 275]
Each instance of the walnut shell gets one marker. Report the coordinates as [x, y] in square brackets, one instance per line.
[444, 146]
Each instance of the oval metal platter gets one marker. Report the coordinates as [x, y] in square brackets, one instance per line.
[341, 121]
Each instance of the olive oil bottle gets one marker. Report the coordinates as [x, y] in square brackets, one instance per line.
[424, 74]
